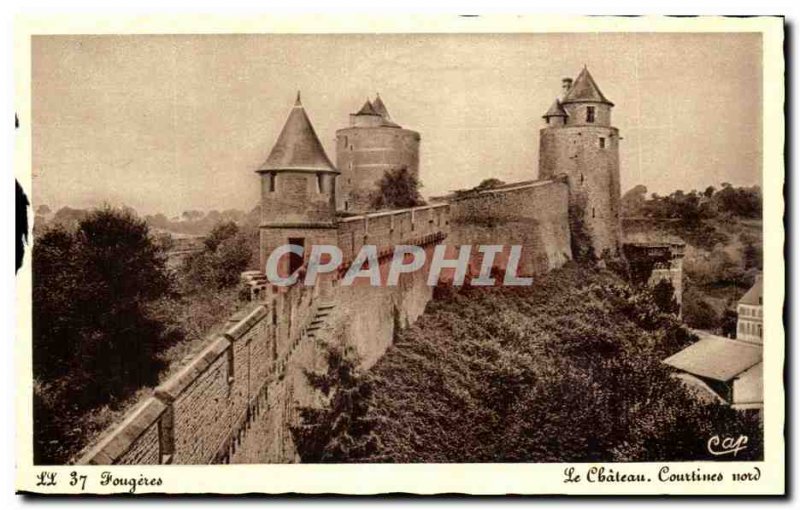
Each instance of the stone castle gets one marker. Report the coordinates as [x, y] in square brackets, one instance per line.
[302, 191]
[236, 400]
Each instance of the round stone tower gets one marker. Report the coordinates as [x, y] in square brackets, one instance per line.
[298, 192]
[580, 142]
[372, 145]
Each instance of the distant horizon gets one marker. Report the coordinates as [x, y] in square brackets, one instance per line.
[165, 124]
[245, 210]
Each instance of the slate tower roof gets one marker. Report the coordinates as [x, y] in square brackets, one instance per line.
[556, 110]
[368, 109]
[380, 108]
[298, 147]
[383, 112]
[584, 89]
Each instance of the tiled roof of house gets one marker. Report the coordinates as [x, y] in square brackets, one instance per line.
[717, 358]
[754, 295]
[749, 384]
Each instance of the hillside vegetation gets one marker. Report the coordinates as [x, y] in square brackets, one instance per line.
[110, 320]
[723, 233]
[568, 370]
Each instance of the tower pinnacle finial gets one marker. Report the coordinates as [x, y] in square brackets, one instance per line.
[297, 101]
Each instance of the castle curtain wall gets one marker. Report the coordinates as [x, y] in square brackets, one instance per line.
[532, 215]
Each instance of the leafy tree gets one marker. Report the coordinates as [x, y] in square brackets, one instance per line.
[192, 215]
[90, 287]
[397, 189]
[633, 201]
[221, 232]
[341, 428]
[227, 252]
[95, 338]
[752, 252]
[742, 202]
[157, 220]
[694, 206]
[489, 184]
[697, 312]
[729, 323]
[68, 217]
[664, 296]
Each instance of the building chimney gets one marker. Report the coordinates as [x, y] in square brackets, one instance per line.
[566, 84]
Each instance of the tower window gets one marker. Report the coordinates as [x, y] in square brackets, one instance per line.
[323, 184]
[592, 212]
[602, 143]
[590, 114]
[271, 181]
[581, 179]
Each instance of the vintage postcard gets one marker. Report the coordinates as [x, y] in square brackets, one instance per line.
[361, 255]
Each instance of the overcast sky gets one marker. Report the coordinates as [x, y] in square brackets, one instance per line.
[171, 123]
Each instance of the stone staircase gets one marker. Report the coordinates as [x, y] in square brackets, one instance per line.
[320, 319]
[313, 330]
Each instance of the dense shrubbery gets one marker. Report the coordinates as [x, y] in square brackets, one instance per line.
[108, 317]
[91, 289]
[567, 370]
[94, 336]
[342, 429]
[227, 251]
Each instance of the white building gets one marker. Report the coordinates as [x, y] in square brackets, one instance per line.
[750, 325]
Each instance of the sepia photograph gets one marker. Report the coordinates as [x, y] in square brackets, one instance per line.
[510, 247]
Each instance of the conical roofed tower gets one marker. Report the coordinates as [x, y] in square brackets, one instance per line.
[580, 142]
[555, 115]
[298, 183]
[297, 147]
[371, 146]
